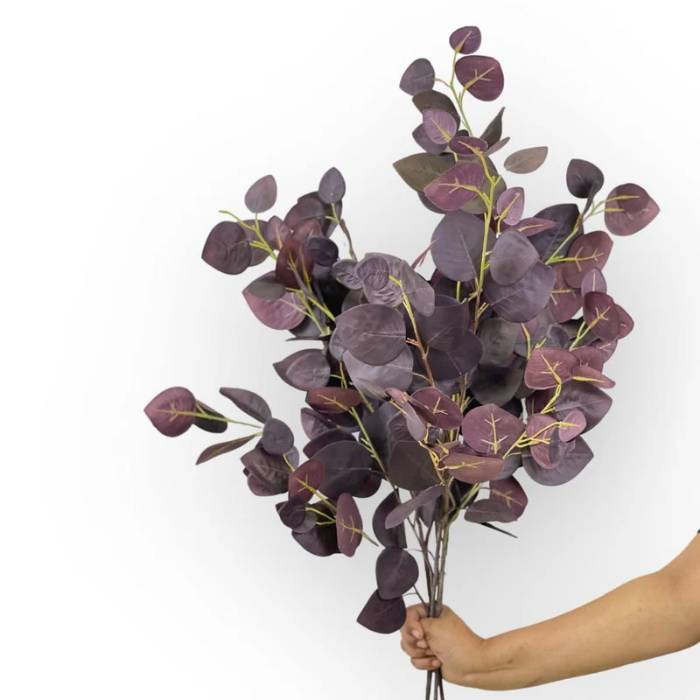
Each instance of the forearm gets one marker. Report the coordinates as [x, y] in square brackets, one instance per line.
[644, 618]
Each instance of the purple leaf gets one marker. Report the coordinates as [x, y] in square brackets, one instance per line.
[628, 209]
[564, 301]
[565, 219]
[410, 466]
[455, 187]
[261, 195]
[269, 471]
[548, 367]
[440, 126]
[510, 205]
[601, 316]
[482, 76]
[216, 423]
[467, 466]
[490, 430]
[396, 572]
[373, 333]
[488, 510]
[272, 304]
[494, 130]
[223, 448]
[227, 248]
[305, 480]
[572, 425]
[333, 399]
[373, 380]
[466, 39]
[587, 252]
[418, 77]
[249, 402]
[584, 180]
[420, 169]
[583, 373]
[393, 536]
[332, 186]
[348, 523]
[567, 468]
[523, 300]
[164, 411]
[348, 469]
[456, 246]
[512, 258]
[436, 409]
[510, 493]
[527, 160]
[465, 145]
[277, 438]
[383, 616]
[446, 327]
[304, 369]
[402, 511]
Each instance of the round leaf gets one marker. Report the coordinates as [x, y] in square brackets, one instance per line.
[455, 187]
[440, 126]
[164, 411]
[418, 77]
[523, 300]
[491, 430]
[272, 304]
[227, 248]
[512, 258]
[456, 246]
[305, 480]
[482, 76]
[261, 195]
[601, 315]
[373, 333]
[397, 572]
[304, 369]
[628, 209]
[383, 616]
[277, 438]
[510, 205]
[586, 253]
[466, 39]
[548, 367]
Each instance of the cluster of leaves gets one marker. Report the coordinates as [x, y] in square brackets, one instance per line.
[439, 386]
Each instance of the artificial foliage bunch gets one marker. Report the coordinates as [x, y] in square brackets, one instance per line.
[440, 387]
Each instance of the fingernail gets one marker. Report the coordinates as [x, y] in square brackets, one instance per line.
[416, 634]
[421, 645]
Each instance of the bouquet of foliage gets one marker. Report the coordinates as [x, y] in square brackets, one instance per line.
[439, 387]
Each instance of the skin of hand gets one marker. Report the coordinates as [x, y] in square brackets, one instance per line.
[649, 616]
[442, 642]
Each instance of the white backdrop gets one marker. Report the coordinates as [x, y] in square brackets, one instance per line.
[128, 572]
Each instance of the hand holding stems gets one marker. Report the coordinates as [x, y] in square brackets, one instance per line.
[647, 617]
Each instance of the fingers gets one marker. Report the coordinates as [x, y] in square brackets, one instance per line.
[426, 664]
[414, 615]
[414, 652]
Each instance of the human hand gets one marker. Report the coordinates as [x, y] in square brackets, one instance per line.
[444, 642]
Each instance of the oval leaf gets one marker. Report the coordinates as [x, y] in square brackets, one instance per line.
[526, 160]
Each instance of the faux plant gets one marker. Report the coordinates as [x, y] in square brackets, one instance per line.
[437, 387]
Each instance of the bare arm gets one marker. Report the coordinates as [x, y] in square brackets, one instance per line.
[646, 617]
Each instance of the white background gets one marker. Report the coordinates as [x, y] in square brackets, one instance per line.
[129, 573]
